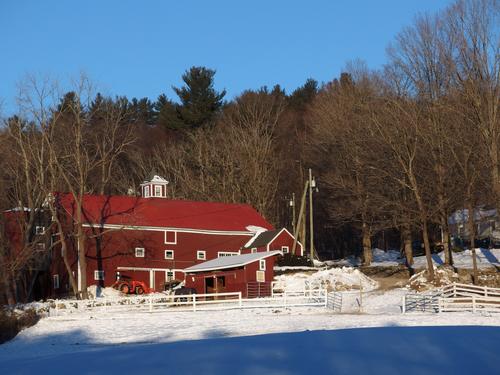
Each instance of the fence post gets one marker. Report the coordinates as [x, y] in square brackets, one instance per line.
[326, 299]
[194, 301]
[473, 304]
[150, 304]
[403, 307]
[440, 301]
[284, 299]
[240, 302]
[454, 290]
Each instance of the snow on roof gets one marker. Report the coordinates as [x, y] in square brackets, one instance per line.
[165, 213]
[230, 261]
[262, 238]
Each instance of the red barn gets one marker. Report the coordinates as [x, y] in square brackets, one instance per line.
[250, 274]
[154, 239]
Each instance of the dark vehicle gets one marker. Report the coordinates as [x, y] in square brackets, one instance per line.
[170, 285]
[183, 291]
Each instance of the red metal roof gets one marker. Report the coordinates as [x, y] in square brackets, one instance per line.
[161, 212]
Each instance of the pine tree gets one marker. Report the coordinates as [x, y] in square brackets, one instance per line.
[200, 102]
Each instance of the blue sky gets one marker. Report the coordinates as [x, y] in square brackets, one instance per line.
[141, 48]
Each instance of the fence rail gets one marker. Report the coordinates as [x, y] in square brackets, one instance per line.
[469, 303]
[191, 302]
[459, 290]
[454, 297]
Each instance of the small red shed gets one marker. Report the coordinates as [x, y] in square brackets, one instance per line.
[251, 274]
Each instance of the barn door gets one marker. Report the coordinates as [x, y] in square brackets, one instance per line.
[158, 280]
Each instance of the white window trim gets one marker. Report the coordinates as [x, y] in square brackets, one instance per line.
[203, 254]
[285, 249]
[169, 258]
[227, 253]
[262, 265]
[55, 281]
[40, 230]
[146, 191]
[254, 250]
[160, 193]
[139, 250]
[175, 237]
[98, 275]
[170, 275]
[39, 246]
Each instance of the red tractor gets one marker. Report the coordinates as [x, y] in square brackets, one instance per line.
[131, 286]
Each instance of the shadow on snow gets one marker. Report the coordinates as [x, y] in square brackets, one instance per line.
[382, 350]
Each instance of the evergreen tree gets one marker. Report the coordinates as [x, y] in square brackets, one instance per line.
[200, 102]
[304, 94]
[167, 114]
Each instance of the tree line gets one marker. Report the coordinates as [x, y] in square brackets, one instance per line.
[396, 150]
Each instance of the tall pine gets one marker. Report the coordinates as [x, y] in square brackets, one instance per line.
[200, 102]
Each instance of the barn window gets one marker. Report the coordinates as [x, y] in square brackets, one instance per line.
[285, 249]
[139, 252]
[170, 275]
[201, 255]
[170, 237]
[40, 246]
[169, 254]
[260, 276]
[227, 254]
[146, 191]
[262, 264]
[158, 191]
[55, 281]
[39, 230]
[254, 249]
[98, 275]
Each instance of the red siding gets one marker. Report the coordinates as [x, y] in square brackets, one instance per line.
[116, 249]
[284, 238]
[236, 279]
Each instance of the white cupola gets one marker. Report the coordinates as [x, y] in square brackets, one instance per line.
[156, 187]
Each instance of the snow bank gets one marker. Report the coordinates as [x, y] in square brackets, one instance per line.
[344, 278]
[442, 277]
[486, 258]
[380, 258]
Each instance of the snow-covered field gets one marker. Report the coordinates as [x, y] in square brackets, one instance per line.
[281, 341]
[485, 258]
[372, 338]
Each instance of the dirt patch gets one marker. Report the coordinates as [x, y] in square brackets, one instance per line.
[387, 271]
[12, 322]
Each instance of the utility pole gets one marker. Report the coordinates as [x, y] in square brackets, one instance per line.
[301, 221]
[292, 203]
[312, 184]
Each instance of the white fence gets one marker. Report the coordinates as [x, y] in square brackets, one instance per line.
[470, 303]
[191, 302]
[454, 297]
[334, 301]
[459, 290]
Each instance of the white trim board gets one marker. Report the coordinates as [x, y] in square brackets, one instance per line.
[162, 229]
